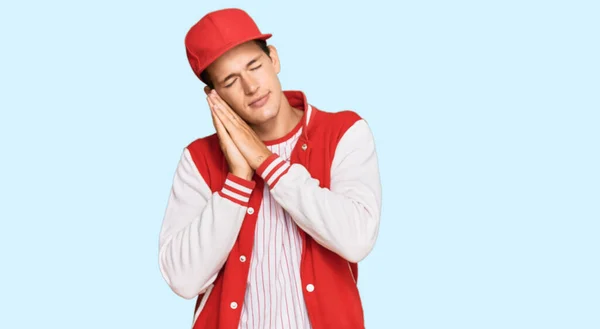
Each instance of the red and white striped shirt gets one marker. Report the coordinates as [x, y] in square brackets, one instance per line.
[274, 292]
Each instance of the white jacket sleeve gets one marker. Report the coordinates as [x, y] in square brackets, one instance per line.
[344, 218]
[199, 228]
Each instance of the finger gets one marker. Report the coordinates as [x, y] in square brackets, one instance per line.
[228, 112]
[225, 139]
[218, 124]
[222, 117]
[210, 103]
[216, 120]
[236, 127]
[212, 111]
[215, 109]
[216, 104]
[228, 123]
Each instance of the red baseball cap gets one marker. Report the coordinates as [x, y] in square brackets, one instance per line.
[216, 33]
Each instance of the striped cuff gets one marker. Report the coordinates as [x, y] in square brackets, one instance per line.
[237, 189]
[272, 169]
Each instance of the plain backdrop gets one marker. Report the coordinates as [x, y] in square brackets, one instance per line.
[486, 116]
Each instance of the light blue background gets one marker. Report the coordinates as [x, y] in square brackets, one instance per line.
[485, 113]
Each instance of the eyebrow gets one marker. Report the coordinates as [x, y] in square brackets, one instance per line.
[254, 60]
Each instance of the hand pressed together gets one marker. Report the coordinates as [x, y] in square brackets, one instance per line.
[236, 136]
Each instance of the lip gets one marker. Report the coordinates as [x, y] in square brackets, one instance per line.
[260, 102]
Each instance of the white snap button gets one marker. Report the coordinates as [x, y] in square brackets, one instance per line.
[310, 288]
[304, 147]
[242, 258]
[250, 210]
[233, 305]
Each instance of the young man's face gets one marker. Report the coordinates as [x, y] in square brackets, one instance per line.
[246, 78]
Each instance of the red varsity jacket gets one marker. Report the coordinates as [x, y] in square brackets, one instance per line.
[332, 192]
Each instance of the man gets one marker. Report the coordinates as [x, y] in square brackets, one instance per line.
[268, 217]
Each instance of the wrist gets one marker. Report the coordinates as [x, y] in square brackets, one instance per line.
[243, 174]
[261, 158]
[273, 168]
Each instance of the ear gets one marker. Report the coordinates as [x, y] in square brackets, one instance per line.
[206, 90]
[274, 59]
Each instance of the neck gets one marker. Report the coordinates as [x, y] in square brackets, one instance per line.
[286, 119]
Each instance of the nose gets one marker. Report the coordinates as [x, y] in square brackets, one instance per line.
[250, 84]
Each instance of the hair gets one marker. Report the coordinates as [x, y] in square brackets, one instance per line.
[204, 76]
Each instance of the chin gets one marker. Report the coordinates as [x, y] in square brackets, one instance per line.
[264, 116]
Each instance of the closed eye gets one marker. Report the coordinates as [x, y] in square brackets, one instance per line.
[231, 84]
[234, 80]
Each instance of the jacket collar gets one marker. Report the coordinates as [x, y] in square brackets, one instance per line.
[298, 100]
